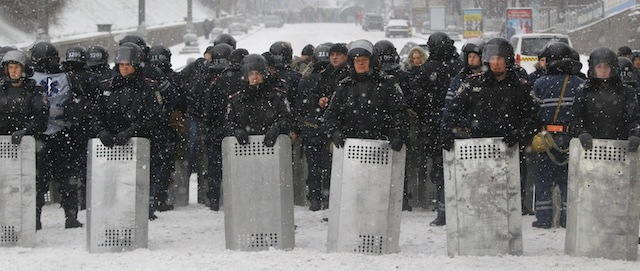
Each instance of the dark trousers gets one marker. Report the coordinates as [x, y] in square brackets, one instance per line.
[60, 160]
[161, 167]
[319, 170]
[214, 172]
[547, 176]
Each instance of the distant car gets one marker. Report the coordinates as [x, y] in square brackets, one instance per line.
[273, 21]
[426, 27]
[397, 28]
[372, 21]
[215, 33]
[527, 47]
[238, 28]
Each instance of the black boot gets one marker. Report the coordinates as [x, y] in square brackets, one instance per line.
[161, 203]
[71, 219]
[214, 199]
[315, 204]
[214, 205]
[541, 225]
[405, 203]
[440, 220]
[38, 223]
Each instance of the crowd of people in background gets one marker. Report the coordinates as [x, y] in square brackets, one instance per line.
[331, 92]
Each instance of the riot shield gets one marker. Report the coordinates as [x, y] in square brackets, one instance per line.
[17, 192]
[482, 197]
[258, 194]
[365, 206]
[603, 201]
[118, 196]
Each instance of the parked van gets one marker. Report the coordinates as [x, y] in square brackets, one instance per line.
[527, 47]
[373, 21]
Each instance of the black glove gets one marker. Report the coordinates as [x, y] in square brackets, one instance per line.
[123, 137]
[16, 137]
[511, 139]
[634, 142]
[586, 140]
[397, 143]
[338, 139]
[448, 140]
[270, 137]
[242, 136]
[107, 139]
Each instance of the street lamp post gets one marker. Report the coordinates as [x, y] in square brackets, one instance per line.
[42, 31]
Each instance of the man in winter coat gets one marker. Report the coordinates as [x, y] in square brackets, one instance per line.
[229, 81]
[128, 105]
[495, 103]
[260, 107]
[428, 90]
[367, 104]
[604, 107]
[69, 103]
[555, 92]
[23, 109]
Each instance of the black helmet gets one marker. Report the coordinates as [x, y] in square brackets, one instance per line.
[387, 55]
[131, 53]
[44, 55]
[160, 56]
[475, 46]
[604, 55]
[220, 56]
[626, 70]
[624, 50]
[76, 58]
[237, 55]
[137, 40]
[254, 62]
[97, 56]
[577, 64]
[559, 57]
[307, 50]
[498, 47]
[76, 54]
[269, 58]
[438, 39]
[321, 54]
[225, 38]
[282, 53]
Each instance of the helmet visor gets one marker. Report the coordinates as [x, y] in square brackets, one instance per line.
[127, 55]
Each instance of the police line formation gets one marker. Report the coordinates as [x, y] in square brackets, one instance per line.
[338, 101]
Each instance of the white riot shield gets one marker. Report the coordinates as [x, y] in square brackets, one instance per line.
[118, 196]
[258, 194]
[365, 206]
[482, 197]
[603, 201]
[17, 192]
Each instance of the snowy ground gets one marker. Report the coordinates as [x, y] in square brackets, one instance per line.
[192, 238]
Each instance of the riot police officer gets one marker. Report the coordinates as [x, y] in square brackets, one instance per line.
[366, 104]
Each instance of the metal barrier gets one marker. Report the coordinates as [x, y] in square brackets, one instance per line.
[17, 192]
[482, 195]
[258, 194]
[365, 207]
[603, 201]
[118, 196]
